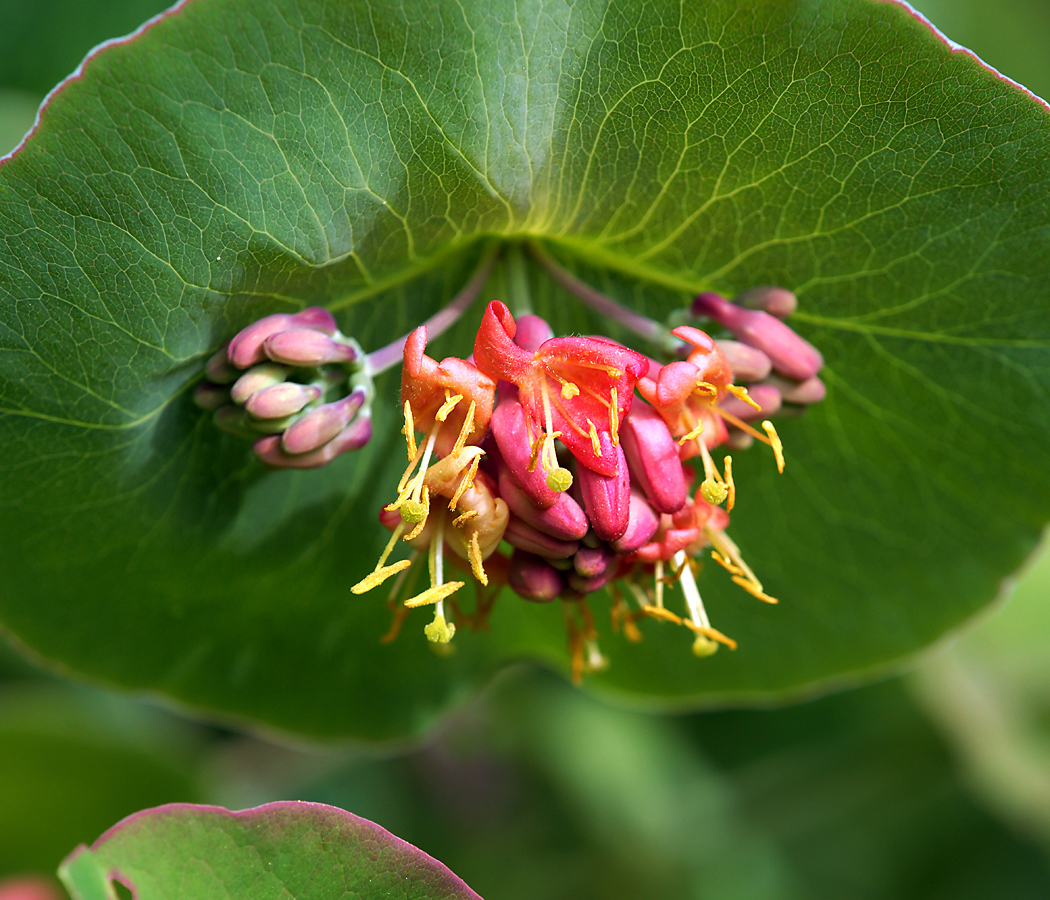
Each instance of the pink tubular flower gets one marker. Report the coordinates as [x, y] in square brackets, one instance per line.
[576, 388]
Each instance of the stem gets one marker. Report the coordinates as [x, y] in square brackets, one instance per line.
[386, 357]
[641, 325]
[517, 282]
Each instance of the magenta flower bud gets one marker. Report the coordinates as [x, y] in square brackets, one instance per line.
[257, 378]
[306, 347]
[583, 585]
[316, 317]
[776, 301]
[218, 368]
[353, 437]
[765, 395]
[748, 363]
[211, 396]
[508, 428]
[532, 331]
[607, 499]
[282, 400]
[522, 535]
[590, 562]
[533, 578]
[807, 392]
[565, 520]
[652, 455]
[641, 526]
[790, 354]
[322, 424]
[246, 348]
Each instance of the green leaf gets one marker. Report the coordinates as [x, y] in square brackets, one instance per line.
[293, 850]
[238, 159]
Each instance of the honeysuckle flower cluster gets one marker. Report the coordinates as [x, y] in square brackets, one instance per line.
[555, 466]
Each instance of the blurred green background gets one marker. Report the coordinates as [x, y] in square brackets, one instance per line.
[935, 784]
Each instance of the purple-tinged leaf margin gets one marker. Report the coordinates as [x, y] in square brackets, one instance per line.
[288, 849]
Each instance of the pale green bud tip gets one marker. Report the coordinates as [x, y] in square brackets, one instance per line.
[439, 631]
[713, 492]
[559, 480]
[703, 646]
[413, 512]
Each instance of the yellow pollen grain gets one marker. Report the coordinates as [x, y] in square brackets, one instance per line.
[754, 590]
[775, 443]
[474, 555]
[658, 612]
[381, 574]
[409, 431]
[449, 405]
[434, 594]
[463, 518]
[559, 480]
[421, 523]
[730, 484]
[614, 417]
[741, 394]
[713, 492]
[439, 631]
[595, 444]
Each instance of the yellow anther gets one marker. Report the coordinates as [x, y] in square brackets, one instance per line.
[434, 594]
[569, 390]
[559, 480]
[705, 388]
[474, 555]
[712, 633]
[754, 590]
[730, 484]
[466, 482]
[462, 519]
[381, 574]
[595, 443]
[614, 418]
[449, 405]
[692, 435]
[614, 372]
[439, 631]
[775, 443]
[725, 563]
[409, 431]
[713, 492]
[464, 432]
[658, 612]
[741, 394]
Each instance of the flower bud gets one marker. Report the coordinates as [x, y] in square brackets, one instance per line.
[533, 578]
[522, 535]
[322, 424]
[246, 348]
[564, 520]
[211, 396]
[218, 368]
[353, 437]
[281, 400]
[805, 393]
[532, 331]
[748, 363]
[584, 585]
[776, 301]
[257, 378]
[652, 455]
[305, 347]
[790, 354]
[607, 499]
[590, 563]
[508, 428]
[642, 524]
[765, 395]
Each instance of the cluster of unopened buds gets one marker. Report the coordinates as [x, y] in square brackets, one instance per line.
[557, 466]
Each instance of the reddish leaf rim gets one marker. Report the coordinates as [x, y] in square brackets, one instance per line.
[322, 812]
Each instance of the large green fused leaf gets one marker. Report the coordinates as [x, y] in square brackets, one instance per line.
[238, 159]
[298, 851]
